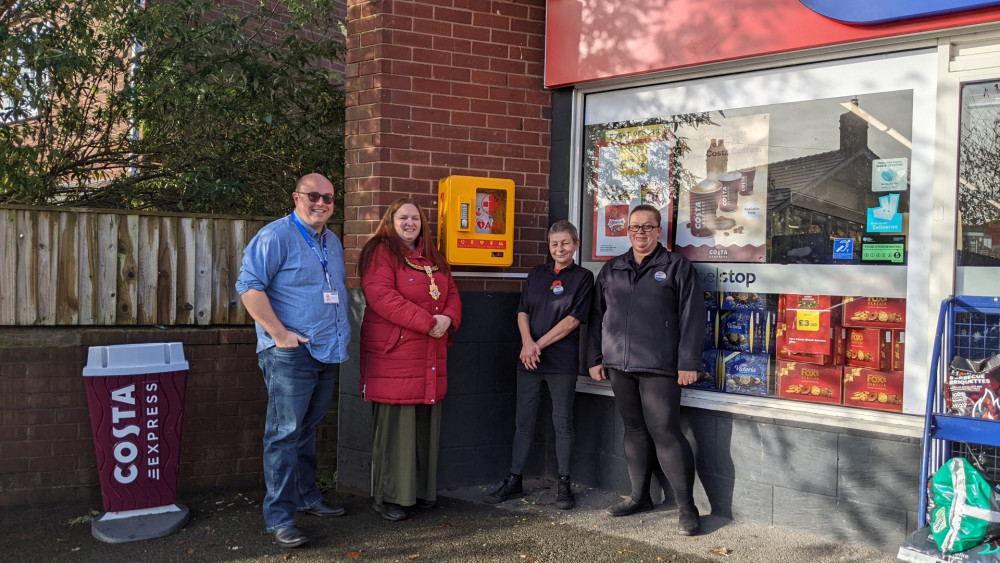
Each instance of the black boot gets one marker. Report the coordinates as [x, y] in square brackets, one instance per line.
[510, 488]
[689, 523]
[564, 494]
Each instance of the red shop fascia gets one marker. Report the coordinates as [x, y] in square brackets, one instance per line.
[588, 41]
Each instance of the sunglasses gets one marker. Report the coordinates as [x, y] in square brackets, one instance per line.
[316, 196]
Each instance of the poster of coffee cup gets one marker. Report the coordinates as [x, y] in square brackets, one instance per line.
[632, 169]
[721, 208]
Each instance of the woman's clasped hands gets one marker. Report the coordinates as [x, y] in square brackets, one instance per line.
[441, 325]
[531, 352]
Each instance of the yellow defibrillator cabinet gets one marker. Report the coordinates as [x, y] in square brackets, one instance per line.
[476, 220]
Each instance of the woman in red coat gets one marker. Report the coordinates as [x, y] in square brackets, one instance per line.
[412, 309]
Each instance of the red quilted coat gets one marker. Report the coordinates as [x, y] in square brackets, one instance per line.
[400, 363]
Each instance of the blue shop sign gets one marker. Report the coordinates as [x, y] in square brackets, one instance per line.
[866, 12]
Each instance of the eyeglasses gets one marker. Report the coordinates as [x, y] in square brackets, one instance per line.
[643, 228]
[316, 196]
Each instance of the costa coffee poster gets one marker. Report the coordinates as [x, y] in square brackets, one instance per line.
[633, 166]
[722, 205]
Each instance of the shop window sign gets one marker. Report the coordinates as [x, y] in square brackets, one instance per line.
[843, 248]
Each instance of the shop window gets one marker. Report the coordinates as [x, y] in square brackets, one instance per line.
[809, 182]
[790, 190]
[978, 183]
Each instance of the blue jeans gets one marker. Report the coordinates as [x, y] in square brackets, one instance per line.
[299, 393]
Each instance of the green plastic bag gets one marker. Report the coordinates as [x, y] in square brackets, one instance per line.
[965, 510]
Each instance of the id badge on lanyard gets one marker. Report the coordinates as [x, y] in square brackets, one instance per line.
[330, 295]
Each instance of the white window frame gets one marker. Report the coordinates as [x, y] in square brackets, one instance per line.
[963, 60]
[917, 64]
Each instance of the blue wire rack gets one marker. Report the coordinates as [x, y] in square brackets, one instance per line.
[968, 327]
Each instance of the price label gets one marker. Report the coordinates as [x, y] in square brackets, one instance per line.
[807, 321]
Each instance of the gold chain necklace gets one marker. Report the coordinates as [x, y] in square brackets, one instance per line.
[434, 292]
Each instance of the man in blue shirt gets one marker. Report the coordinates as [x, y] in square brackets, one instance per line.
[292, 284]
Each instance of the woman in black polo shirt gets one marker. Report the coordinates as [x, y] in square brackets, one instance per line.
[555, 299]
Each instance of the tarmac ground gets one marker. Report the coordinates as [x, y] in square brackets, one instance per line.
[228, 527]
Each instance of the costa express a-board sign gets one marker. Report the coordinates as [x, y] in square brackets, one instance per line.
[476, 220]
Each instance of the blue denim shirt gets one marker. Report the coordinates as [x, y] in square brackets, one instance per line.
[279, 262]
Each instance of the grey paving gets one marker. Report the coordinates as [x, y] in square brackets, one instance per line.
[227, 527]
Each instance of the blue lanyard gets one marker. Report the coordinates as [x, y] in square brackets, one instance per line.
[323, 260]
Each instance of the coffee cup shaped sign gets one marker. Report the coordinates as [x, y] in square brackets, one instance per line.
[746, 182]
[703, 205]
[729, 195]
[490, 211]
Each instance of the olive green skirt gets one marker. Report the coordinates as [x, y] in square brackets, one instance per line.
[405, 453]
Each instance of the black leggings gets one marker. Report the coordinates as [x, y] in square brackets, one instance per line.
[650, 406]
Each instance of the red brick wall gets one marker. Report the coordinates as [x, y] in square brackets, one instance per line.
[442, 87]
[46, 446]
[280, 17]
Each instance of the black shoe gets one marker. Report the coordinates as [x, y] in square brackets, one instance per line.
[564, 495]
[324, 510]
[289, 537]
[510, 488]
[389, 511]
[688, 524]
[426, 504]
[631, 506]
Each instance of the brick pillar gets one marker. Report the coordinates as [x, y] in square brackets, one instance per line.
[445, 87]
[435, 88]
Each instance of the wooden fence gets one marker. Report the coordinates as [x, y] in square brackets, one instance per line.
[66, 266]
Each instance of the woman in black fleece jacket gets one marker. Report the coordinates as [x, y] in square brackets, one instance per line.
[646, 333]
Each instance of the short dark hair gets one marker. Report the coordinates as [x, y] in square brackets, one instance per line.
[649, 208]
[564, 226]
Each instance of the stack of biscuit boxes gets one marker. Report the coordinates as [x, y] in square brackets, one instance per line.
[810, 348]
[744, 331]
[873, 376]
[709, 377]
[841, 350]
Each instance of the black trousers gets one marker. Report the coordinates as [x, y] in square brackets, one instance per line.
[562, 390]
